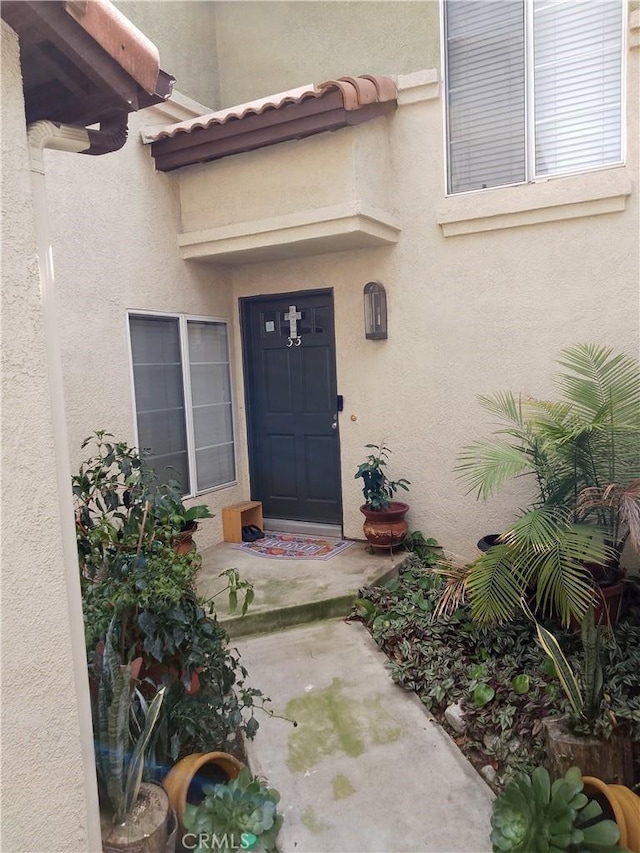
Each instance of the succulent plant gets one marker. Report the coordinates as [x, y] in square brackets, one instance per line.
[535, 816]
[242, 808]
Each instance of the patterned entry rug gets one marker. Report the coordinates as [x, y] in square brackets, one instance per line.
[290, 546]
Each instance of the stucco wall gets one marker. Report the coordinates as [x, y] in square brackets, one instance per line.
[468, 314]
[267, 47]
[114, 228]
[184, 32]
[329, 170]
[43, 795]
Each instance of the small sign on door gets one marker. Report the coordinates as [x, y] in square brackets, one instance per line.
[269, 326]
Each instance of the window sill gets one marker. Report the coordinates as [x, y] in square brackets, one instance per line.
[571, 197]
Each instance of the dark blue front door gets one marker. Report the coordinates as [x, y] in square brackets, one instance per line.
[291, 402]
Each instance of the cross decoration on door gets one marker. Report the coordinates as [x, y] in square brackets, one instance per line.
[293, 316]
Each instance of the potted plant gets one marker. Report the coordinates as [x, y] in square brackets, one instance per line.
[186, 780]
[171, 512]
[385, 525]
[129, 569]
[244, 810]
[623, 803]
[135, 815]
[535, 816]
[589, 734]
[581, 452]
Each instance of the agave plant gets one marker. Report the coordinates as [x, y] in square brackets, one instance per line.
[244, 809]
[583, 454]
[535, 816]
[120, 759]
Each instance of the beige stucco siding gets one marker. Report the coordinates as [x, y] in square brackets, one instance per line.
[184, 31]
[266, 47]
[43, 796]
[468, 314]
[114, 223]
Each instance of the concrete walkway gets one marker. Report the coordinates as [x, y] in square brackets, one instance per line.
[366, 770]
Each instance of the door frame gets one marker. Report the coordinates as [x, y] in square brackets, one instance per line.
[244, 306]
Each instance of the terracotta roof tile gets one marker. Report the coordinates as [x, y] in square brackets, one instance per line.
[356, 92]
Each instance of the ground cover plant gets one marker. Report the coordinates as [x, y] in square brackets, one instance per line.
[504, 681]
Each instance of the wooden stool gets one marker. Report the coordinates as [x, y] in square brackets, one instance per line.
[237, 516]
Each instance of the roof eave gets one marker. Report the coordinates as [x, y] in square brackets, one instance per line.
[296, 121]
[78, 81]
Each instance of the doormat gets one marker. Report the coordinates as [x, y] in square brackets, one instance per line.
[289, 546]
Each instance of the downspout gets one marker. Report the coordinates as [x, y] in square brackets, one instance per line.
[41, 135]
[111, 136]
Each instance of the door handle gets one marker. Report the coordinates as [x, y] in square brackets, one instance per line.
[334, 425]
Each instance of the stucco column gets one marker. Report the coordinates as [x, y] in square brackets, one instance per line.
[72, 140]
[49, 799]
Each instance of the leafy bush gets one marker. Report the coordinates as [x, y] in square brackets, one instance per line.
[131, 575]
[378, 489]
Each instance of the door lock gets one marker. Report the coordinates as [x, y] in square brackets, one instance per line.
[334, 425]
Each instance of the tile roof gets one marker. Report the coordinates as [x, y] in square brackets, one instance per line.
[355, 92]
[83, 61]
[124, 42]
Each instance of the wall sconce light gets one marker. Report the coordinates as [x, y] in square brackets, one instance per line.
[375, 311]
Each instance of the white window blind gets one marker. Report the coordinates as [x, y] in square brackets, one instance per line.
[534, 88]
[159, 392]
[486, 93]
[182, 389]
[211, 403]
[577, 84]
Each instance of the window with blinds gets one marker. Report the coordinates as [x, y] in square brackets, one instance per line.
[534, 88]
[182, 388]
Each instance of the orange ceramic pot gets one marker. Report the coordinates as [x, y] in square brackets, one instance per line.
[385, 528]
[625, 806]
[183, 780]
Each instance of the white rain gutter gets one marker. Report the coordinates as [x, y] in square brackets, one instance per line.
[41, 135]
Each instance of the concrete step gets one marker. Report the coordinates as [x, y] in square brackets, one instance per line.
[292, 592]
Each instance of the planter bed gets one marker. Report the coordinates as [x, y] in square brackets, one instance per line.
[500, 680]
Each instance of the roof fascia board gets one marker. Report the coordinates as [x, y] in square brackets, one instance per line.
[253, 133]
[241, 143]
[235, 126]
[51, 21]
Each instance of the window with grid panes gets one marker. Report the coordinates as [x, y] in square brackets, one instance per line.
[533, 88]
[182, 389]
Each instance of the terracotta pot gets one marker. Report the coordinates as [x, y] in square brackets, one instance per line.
[146, 830]
[607, 606]
[183, 542]
[162, 673]
[625, 806]
[385, 529]
[183, 781]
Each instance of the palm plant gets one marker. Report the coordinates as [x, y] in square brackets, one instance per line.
[583, 453]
